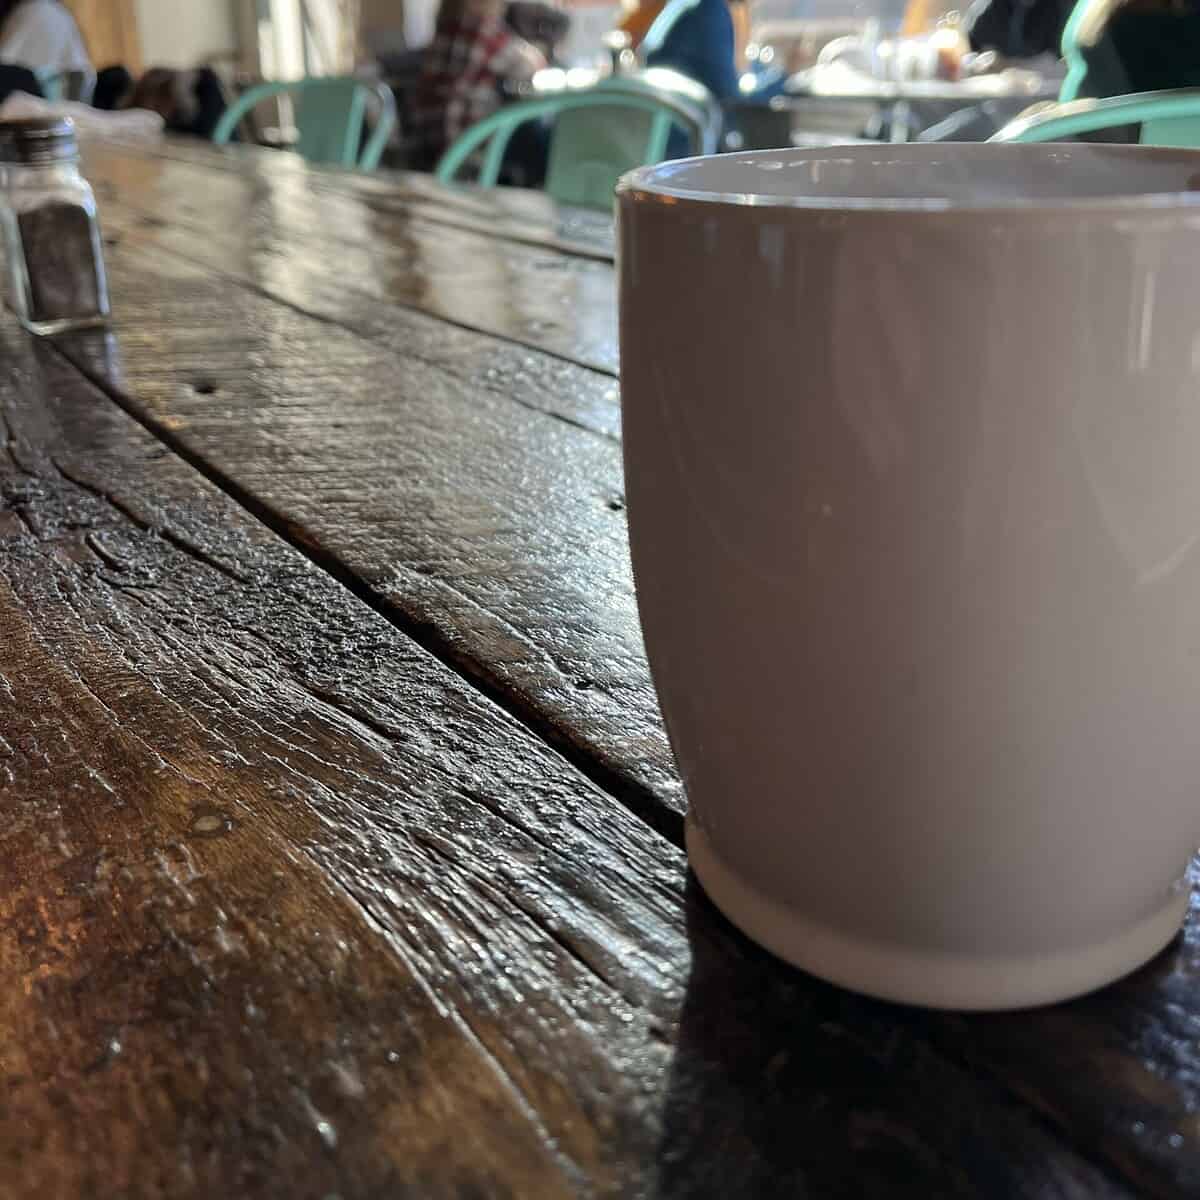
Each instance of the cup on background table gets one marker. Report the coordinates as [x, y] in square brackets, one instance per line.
[912, 442]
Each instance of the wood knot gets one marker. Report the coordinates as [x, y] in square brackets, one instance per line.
[211, 824]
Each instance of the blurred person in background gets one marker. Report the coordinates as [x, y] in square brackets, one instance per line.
[636, 19]
[189, 102]
[114, 89]
[390, 28]
[1128, 46]
[541, 25]
[1115, 47]
[473, 56]
[42, 35]
[706, 40]
[1019, 28]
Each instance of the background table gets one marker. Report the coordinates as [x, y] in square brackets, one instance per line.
[919, 104]
[341, 838]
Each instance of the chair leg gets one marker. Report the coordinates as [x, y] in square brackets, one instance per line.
[660, 135]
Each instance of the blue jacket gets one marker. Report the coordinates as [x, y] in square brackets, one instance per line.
[695, 38]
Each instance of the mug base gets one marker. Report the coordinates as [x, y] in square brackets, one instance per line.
[930, 979]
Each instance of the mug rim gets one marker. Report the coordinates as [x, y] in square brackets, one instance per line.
[652, 183]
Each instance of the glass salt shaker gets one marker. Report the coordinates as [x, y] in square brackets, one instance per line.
[51, 235]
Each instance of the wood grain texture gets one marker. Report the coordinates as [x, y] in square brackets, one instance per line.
[576, 394]
[287, 910]
[441, 480]
[475, 512]
[515, 214]
[384, 257]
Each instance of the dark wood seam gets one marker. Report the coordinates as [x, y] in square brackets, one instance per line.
[639, 800]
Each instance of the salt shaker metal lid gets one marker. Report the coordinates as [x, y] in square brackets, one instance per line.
[38, 141]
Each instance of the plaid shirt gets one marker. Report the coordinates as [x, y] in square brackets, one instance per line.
[459, 83]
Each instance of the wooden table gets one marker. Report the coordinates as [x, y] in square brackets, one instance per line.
[341, 840]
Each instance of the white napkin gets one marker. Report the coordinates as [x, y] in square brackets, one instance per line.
[136, 123]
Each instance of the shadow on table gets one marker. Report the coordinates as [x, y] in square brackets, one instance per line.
[785, 1086]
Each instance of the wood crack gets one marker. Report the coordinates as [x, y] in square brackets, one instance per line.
[201, 555]
[176, 539]
[121, 724]
[488, 888]
[458, 1017]
[573, 1172]
[9, 441]
[100, 494]
[109, 560]
[374, 729]
[19, 511]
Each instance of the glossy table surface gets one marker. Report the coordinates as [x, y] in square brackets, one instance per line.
[341, 837]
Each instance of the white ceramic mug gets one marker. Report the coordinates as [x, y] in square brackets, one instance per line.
[912, 444]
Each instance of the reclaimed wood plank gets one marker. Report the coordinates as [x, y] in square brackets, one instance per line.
[573, 393]
[491, 531]
[390, 259]
[518, 214]
[286, 909]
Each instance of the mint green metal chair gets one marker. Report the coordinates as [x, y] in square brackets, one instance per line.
[330, 115]
[52, 83]
[598, 135]
[1072, 53]
[706, 115]
[1113, 49]
[66, 85]
[1167, 119]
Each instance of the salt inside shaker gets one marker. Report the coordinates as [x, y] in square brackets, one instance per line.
[51, 235]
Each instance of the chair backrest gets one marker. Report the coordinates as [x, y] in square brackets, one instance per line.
[1117, 49]
[598, 135]
[51, 82]
[330, 114]
[1166, 119]
[1076, 79]
[66, 85]
[704, 113]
